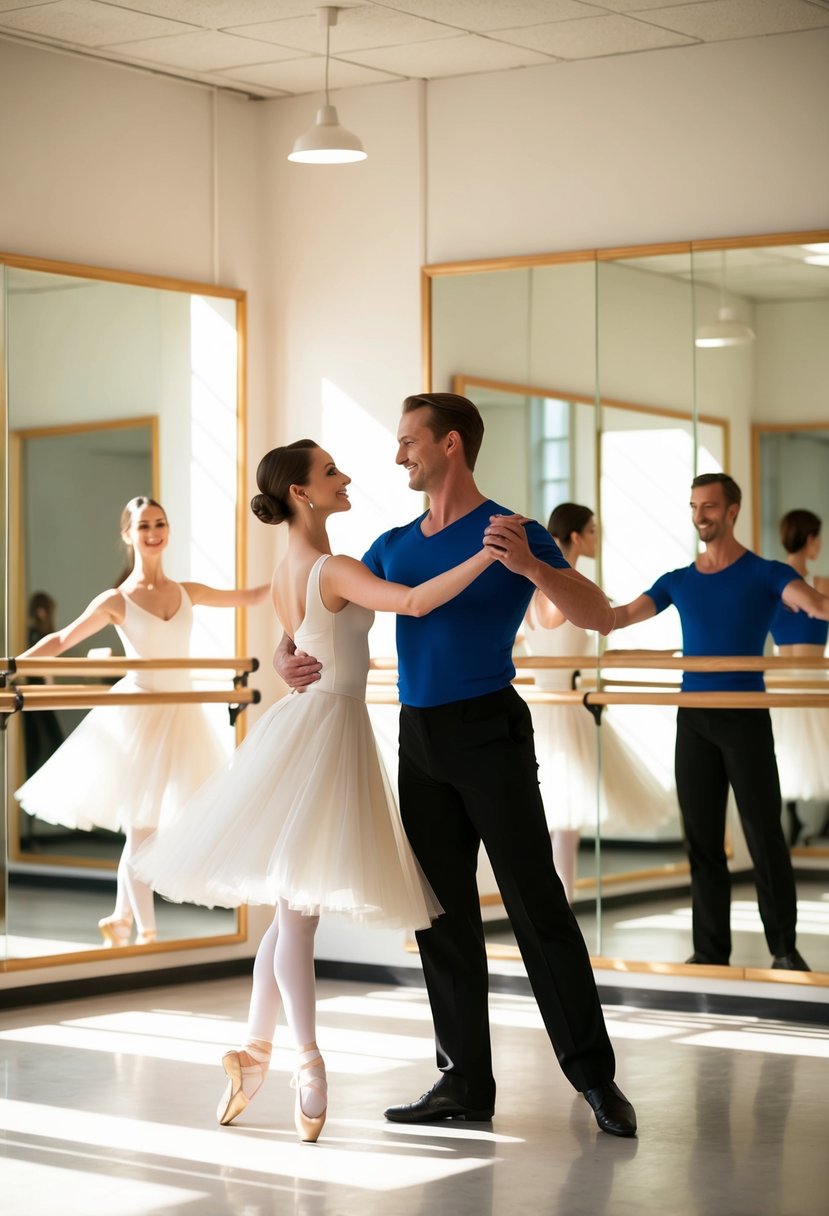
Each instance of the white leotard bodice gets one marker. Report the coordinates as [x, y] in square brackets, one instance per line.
[146, 636]
[566, 639]
[339, 640]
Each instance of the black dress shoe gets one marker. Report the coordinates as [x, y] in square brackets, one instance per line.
[703, 961]
[790, 962]
[437, 1105]
[613, 1112]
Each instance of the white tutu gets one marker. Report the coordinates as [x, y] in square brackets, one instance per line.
[578, 793]
[125, 766]
[304, 811]
[801, 744]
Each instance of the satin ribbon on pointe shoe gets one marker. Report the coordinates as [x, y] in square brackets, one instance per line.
[310, 1074]
[244, 1080]
[116, 930]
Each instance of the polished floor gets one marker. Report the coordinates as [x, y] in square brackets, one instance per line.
[107, 1109]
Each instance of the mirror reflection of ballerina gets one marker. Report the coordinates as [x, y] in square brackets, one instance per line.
[565, 735]
[42, 731]
[125, 766]
[801, 735]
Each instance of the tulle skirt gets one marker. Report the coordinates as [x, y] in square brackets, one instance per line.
[125, 766]
[566, 749]
[303, 812]
[801, 743]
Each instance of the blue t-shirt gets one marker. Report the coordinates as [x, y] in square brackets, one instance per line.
[464, 648]
[728, 612]
[798, 628]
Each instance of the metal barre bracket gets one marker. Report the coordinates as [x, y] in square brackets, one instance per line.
[595, 710]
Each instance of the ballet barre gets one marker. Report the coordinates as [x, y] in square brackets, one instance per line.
[21, 698]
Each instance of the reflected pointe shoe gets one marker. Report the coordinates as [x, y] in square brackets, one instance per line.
[116, 930]
[244, 1080]
[309, 1075]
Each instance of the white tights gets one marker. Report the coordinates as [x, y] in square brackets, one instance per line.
[132, 896]
[565, 849]
[283, 974]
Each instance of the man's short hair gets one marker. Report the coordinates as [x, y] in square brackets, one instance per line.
[730, 489]
[451, 412]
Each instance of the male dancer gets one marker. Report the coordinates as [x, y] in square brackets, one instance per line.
[726, 601]
[468, 771]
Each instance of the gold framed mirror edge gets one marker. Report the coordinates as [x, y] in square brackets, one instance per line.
[33, 962]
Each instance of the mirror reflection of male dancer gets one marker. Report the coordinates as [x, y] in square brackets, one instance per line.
[726, 600]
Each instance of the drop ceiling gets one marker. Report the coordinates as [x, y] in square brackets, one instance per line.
[275, 48]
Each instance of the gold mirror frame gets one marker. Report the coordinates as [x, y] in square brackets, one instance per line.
[160, 283]
[429, 274]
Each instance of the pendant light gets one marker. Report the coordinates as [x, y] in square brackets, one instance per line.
[327, 143]
[726, 330]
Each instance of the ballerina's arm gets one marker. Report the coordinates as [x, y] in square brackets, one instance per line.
[106, 609]
[347, 579]
[236, 597]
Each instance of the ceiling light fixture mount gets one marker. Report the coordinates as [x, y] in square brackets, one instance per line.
[327, 143]
[726, 330]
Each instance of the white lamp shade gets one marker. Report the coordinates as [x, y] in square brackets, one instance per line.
[327, 143]
[725, 331]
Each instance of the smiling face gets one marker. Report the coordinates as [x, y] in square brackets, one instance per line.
[711, 513]
[148, 532]
[421, 455]
[326, 485]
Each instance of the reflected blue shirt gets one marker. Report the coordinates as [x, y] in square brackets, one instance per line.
[728, 612]
[797, 628]
[464, 648]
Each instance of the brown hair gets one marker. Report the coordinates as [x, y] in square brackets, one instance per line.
[796, 527]
[451, 412]
[278, 470]
[567, 518]
[732, 492]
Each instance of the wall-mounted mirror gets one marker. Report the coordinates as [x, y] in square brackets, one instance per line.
[118, 385]
[600, 347]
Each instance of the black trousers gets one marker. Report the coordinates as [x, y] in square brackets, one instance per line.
[468, 774]
[716, 748]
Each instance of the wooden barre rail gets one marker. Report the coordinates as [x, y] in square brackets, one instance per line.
[664, 660]
[54, 697]
[379, 694]
[10, 666]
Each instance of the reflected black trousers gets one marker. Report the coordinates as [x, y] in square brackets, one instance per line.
[468, 774]
[716, 748]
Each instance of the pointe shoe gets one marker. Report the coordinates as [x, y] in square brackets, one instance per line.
[147, 937]
[310, 1074]
[244, 1081]
[116, 930]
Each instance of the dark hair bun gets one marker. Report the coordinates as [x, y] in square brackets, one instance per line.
[268, 509]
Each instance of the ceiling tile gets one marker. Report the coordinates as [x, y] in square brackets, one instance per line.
[607, 35]
[484, 15]
[205, 51]
[86, 23]
[359, 29]
[219, 14]
[740, 18]
[450, 57]
[639, 6]
[307, 75]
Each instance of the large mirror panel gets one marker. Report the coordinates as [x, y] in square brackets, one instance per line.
[118, 386]
[613, 336]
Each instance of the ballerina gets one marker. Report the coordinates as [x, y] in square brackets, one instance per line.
[565, 735]
[801, 736]
[124, 767]
[304, 818]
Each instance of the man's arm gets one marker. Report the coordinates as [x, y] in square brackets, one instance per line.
[581, 601]
[801, 597]
[640, 609]
[295, 667]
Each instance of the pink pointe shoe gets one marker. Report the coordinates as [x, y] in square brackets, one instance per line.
[244, 1080]
[116, 930]
[310, 1075]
